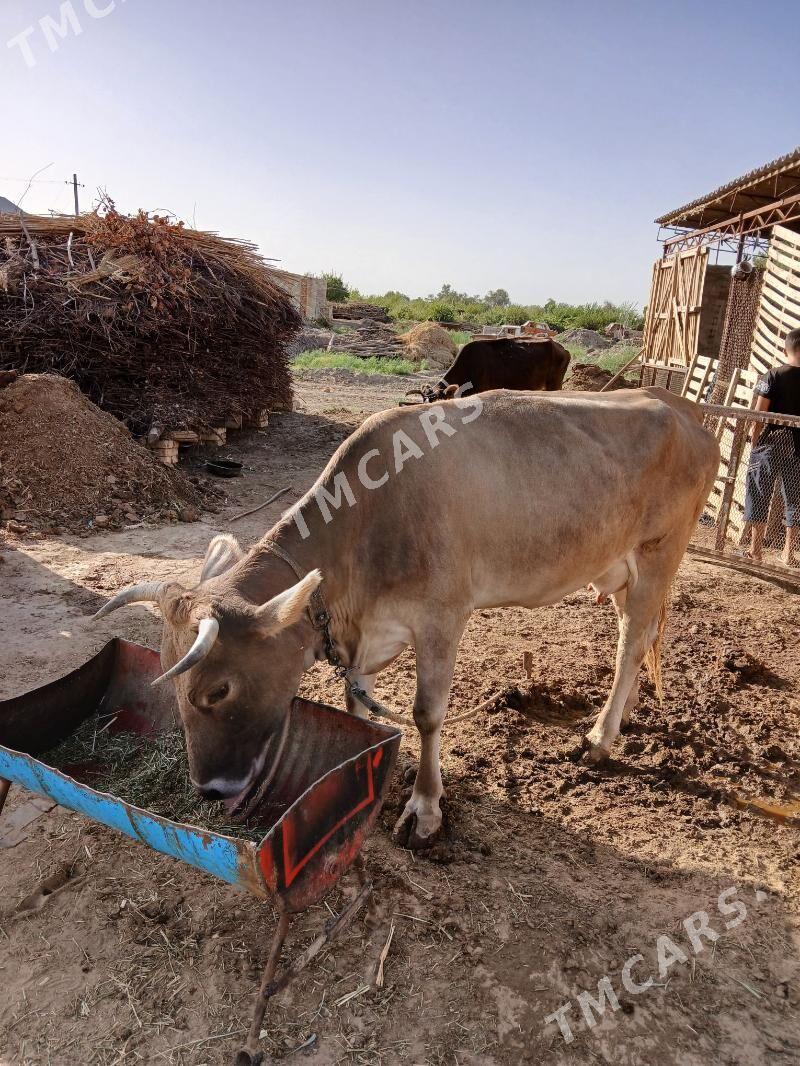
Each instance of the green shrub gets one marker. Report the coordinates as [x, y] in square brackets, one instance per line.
[578, 353]
[516, 315]
[452, 306]
[615, 360]
[460, 336]
[439, 311]
[493, 316]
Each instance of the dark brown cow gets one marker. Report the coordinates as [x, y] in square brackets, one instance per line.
[502, 363]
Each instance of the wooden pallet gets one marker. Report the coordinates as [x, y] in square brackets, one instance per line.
[669, 377]
[779, 302]
[726, 499]
[699, 377]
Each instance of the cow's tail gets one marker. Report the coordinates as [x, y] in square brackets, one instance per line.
[652, 659]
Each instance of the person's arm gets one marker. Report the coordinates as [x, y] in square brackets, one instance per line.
[762, 404]
[764, 392]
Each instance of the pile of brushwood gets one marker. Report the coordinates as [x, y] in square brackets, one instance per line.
[159, 324]
[367, 339]
[359, 311]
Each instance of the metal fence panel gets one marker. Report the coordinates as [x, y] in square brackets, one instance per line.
[753, 510]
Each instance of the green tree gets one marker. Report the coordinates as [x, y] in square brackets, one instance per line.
[447, 294]
[497, 298]
[337, 292]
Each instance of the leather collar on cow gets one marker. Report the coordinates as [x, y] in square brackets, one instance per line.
[317, 612]
[320, 619]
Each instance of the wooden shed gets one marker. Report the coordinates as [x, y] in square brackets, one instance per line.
[726, 289]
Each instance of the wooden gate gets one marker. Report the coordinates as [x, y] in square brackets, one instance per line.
[673, 311]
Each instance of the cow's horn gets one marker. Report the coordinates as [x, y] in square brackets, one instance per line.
[146, 592]
[207, 633]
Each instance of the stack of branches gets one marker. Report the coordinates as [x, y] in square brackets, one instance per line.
[368, 339]
[360, 310]
[159, 324]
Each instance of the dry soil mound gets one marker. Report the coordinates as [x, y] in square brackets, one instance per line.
[65, 465]
[588, 377]
[589, 339]
[430, 342]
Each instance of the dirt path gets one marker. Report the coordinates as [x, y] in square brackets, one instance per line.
[341, 393]
[552, 877]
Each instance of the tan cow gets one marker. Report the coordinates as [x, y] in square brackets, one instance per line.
[422, 516]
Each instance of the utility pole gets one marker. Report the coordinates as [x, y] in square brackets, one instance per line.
[75, 187]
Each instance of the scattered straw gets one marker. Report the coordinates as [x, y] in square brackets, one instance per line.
[379, 976]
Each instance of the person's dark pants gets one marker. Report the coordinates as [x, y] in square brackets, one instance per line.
[768, 463]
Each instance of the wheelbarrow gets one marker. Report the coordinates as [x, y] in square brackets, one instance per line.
[322, 802]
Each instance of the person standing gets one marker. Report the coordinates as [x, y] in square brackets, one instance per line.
[775, 454]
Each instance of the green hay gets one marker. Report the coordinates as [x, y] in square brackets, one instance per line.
[150, 774]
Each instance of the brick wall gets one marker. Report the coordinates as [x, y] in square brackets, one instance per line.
[716, 286]
[310, 294]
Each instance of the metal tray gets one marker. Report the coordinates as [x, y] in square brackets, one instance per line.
[327, 791]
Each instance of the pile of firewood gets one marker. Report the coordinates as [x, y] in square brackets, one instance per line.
[359, 311]
[368, 339]
[161, 325]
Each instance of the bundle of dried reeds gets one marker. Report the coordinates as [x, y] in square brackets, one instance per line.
[157, 323]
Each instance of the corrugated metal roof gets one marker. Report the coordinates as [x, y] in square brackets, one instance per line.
[702, 212]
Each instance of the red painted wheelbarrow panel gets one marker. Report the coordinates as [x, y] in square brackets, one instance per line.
[322, 803]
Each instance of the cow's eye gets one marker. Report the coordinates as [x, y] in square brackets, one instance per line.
[218, 694]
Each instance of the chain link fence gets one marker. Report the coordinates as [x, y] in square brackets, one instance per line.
[753, 510]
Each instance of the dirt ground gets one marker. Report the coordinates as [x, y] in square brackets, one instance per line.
[552, 876]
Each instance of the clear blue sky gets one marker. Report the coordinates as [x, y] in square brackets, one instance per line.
[523, 145]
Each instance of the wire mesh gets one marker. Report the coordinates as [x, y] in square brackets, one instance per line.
[753, 509]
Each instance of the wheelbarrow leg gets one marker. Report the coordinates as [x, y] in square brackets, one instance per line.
[250, 1055]
[4, 790]
[271, 985]
[363, 882]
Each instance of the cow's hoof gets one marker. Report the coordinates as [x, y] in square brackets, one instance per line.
[595, 754]
[416, 829]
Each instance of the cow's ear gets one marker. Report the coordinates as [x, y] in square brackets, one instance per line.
[287, 607]
[223, 553]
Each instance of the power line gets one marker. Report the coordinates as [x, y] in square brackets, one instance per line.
[34, 181]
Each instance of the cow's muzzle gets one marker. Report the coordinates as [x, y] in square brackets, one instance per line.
[247, 801]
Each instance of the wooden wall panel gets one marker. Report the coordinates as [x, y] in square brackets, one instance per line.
[779, 303]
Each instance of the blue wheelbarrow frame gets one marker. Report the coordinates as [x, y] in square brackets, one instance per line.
[327, 792]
